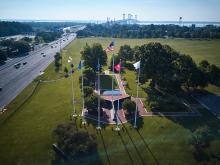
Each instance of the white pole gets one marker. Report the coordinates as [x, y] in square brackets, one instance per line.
[83, 101]
[74, 109]
[136, 100]
[99, 127]
[119, 88]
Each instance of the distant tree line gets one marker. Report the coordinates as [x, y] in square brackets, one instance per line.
[13, 28]
[50, 26]
[150, 31]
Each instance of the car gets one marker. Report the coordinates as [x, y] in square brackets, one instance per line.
[44, 55]
[42, 52]
[52, 46]
[0, 88]
[17, 65]
[24, 63]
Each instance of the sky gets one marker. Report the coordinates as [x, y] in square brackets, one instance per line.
[148, 10]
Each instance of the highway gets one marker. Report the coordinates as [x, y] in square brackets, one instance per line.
[13, 80]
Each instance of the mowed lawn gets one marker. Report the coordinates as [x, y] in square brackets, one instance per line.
[26, 136]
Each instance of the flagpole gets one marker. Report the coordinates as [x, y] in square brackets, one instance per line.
[136, 100]
[119, 88]
[98, 127]
[83, 101]
[113, 63]
[73, 93]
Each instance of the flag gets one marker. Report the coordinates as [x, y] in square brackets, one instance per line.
[110, 47]
[117, 67]
[137, 65]
[80, 64]
[98, 67]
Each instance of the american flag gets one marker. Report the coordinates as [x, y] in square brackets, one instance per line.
[110, 48]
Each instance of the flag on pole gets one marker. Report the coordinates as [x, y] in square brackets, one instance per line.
[80, 64]
[98, 66]
[118, 67]
[110, 48]
[137, 65]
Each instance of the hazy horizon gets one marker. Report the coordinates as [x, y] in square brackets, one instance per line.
[85, 10]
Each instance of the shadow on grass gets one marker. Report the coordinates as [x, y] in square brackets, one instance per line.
[132, 141]
[105, 148]
[148, 148]
[91, 159]
[126, 149]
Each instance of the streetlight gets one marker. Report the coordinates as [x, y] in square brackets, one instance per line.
[73, 99]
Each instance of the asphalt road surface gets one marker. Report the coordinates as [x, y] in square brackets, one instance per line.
[13, 81]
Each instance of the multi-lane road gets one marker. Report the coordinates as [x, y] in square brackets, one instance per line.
[13, 81]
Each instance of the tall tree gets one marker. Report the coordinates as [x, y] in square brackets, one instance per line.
[91, 54]
[126, 53]
[157, 63]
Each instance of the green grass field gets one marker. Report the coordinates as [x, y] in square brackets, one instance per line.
[26, 136]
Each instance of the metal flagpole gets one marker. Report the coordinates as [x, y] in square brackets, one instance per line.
[136, 100]
[118, 99]
[73, 101]
[113, 105]
[83, 101]
[98, 127]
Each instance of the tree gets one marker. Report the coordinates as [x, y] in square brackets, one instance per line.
[57, 58]
[125, 53]
[13, 28]
[88, 91]
[21, 46]
[136, 53]
[200, 137]
[26, 39]
[91, 103]
[91, 54]
[157, 64]
[66, 71]
[3, 56]
[214, 75]
[188, 73]
[89, 77]
[129, 106]
[73, 142]
[48, 36]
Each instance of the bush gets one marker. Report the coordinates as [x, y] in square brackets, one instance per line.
[129, 106]
[200, 137]
[74, 142]
[88, 91]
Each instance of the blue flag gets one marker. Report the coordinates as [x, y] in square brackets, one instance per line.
[98, 67]
[80, 64]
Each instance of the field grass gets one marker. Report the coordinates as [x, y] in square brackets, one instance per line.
[26, 137]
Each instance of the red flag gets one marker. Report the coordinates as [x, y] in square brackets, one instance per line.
[117, 67]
